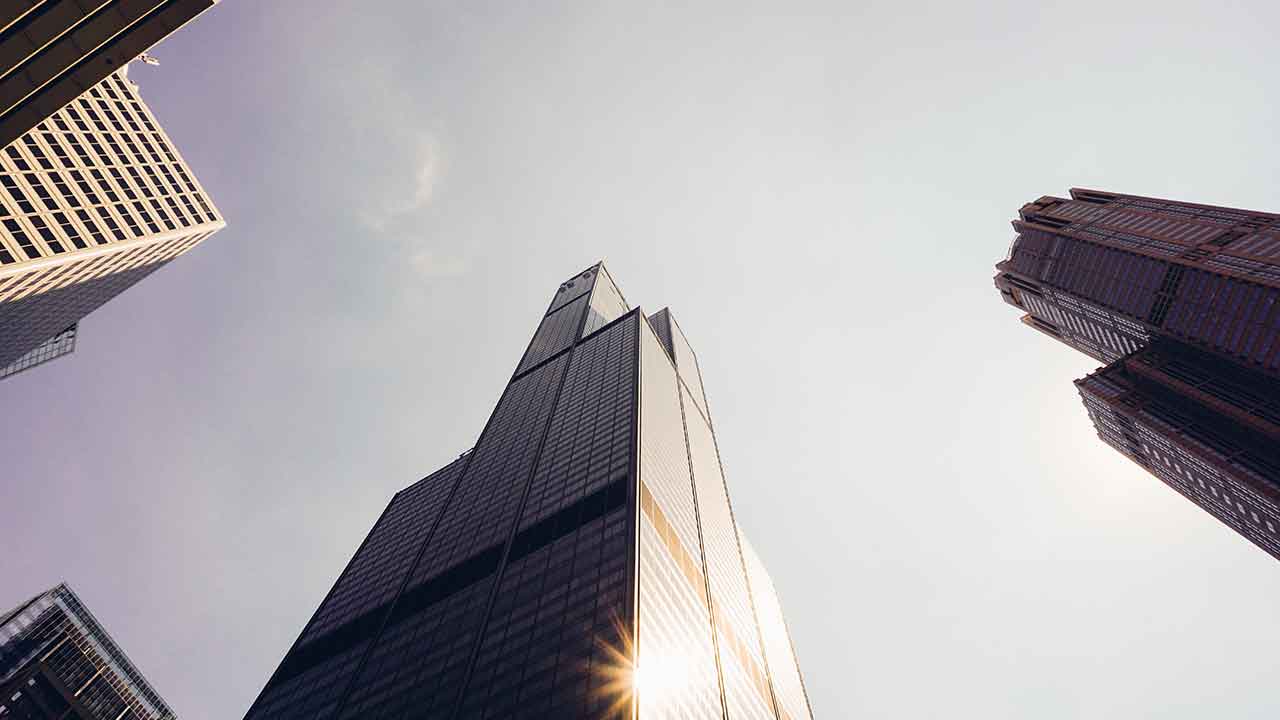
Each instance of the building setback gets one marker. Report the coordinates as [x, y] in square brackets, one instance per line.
[52, 51]
[581, 561]
[57, 662]
[1182, 301]
[92, 200]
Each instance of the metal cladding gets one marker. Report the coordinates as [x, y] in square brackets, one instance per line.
[581, 561]
[1183, 303]
[57, 662]
[54, 50]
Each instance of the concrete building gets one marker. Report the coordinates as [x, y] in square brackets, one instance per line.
[92, 200]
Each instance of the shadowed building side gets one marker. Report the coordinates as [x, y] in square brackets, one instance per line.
[1104, 273]
[1204, 427]
[1183, 303]
[52, 51]
[58, 663]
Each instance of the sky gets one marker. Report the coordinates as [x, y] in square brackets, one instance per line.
[818, 190]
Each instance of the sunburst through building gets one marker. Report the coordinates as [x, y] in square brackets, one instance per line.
[581, 561]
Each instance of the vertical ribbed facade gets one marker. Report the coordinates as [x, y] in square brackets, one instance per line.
[581, 561]
[784, 668]
[92, 200]
[57, 662]
[1183, 303]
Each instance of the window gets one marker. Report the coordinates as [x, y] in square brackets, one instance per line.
[11, 185]
[111, 223]
[106, 187]
[20, 237]
[37, 152]
[128, 219]
[155, 179]
[64, 190]
[85, 187]
[146, 217]
[119, 178]
[59, 151]
[75, 117]
[69, 230]
[164, 217]
[137, 177]
[175, 210]
[41, 191]
[97, 148]
[43, 229]
[191, 209]
[203, 204]
[115, 147]
[79, 150]
[94, 232]
[168, 176]
[16, 157]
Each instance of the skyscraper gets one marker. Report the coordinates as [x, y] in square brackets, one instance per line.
[1183, 303]
[51, 51]
[91, 201]
[57, 662]
[581, 561]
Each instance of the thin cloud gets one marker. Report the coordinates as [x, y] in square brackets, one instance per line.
[403, 163]
[431, 264]
[410, 189]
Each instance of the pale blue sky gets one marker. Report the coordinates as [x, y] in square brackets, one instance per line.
[819, 191]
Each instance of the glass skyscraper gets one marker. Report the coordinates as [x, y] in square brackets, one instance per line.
[581, 561]
[1182, 301]
[58, 663]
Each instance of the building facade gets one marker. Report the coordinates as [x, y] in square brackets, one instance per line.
[581, 561]
[52, 51]
[1182, 301]
[58, 663]
[92, 200]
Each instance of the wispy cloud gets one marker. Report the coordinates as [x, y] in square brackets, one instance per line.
[430, 263]
[410, 185]
[403, 163]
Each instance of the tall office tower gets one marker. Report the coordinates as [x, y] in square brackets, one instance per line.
[52, 51]
[581, 561]
[1183, 303]
[91, 201]
[57, 663]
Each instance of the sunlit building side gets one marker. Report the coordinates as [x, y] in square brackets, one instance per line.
[93, 200]
[784, 667]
